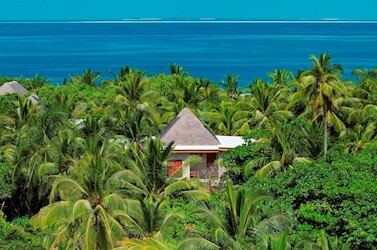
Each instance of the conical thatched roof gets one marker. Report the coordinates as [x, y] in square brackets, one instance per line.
[187, 130]
[12, 87]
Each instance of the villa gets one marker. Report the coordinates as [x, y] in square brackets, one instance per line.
[192, 137]
[15, 87]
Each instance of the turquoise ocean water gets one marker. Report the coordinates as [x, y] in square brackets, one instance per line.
[210, 49]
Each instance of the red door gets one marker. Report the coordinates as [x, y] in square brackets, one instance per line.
[173, 166]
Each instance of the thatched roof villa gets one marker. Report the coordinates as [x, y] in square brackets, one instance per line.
[191, 136]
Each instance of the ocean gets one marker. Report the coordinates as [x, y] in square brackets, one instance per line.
[211, 49]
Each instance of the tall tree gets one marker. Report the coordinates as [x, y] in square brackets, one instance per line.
[85, 209]
[282, 145]
[231, 86]
[281, 76]
[148, 169]
[36, 82]
[158, 242]
[226, 119]
[130, 88]
[323, 85]
[240, 220]
[177, 70]
[88, 77]
[266, 104]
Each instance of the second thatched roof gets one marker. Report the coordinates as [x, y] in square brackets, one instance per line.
[15, 87]
[12, 87]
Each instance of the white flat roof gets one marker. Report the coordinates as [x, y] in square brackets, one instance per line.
[226, 142]
[230, 141]
[195, 147]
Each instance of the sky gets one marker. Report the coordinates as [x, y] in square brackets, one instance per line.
[188, 9]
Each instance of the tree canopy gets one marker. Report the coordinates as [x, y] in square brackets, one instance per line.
[84, 168]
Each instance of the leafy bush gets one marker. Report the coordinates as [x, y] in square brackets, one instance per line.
[82, 93]
[8, 103]
[192, 223]
[236, 159]
[19, 234]
[338, 195]
[6, 186]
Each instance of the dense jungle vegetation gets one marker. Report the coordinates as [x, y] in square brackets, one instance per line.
[84, 170]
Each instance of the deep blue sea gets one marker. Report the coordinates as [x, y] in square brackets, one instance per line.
[249, 50]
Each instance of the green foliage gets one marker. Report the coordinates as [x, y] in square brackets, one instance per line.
[35, 83]
[92, 96]
[337, 196]
[6, 185]
[8, 103]
[191, 224]
[240, 218]
[84, 158]
[235, 161]
[19, 235]
[4, 79]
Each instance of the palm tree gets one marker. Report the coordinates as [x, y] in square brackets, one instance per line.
[124, 71]
[130, 88]
[191, 93]
[132, 123]
[88, 77]
[26, 113]
[20, 153]
[210, 91]
[240, 218]
[158, 242]
[367, 81]
[266, 104]
[36, 82]
[148, 217]
[358, 138]
[147, 173]
[60, 152]
[177, 70]
[231, 86]
[282, 242]
[85, 209]
[226, 119]
[273, 242]
[361, 115]
[322, 88]
[283, 145]
[281, 76]
[145, 181]
[324, 242]
[64, 104]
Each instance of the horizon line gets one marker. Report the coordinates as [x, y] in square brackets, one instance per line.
[201, 20]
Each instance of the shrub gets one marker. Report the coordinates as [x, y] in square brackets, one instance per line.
[338, 195]
[8, 103]
[192, 224]
[6, 186]
[19, 234]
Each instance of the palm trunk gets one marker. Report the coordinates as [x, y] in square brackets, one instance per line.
[325, 132]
